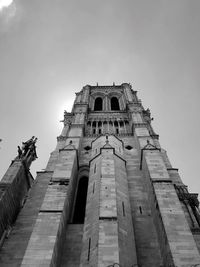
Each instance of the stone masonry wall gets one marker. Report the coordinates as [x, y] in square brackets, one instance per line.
[13, 189]
[15, 245]
[108, 243]
[91, 225]
[45, 245]
[126, 237]
[179, 238]
[146, 239]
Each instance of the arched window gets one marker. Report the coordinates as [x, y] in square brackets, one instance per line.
[80, 204]
[114, 103]
[94, 127]
[98, 105]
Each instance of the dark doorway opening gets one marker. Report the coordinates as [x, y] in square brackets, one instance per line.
[98, 104]
[80, 204]
[114, 103]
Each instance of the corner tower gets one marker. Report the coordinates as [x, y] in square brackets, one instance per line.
[108, 196]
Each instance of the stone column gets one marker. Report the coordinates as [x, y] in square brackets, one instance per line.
[127, 92]
[125, 130]
[113, 123]
[108, 229]
[85, 95]
[108, 126]
[78, 97]
[47, 238]
[108, 225]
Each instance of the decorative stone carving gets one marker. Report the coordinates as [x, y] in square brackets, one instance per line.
[28, 149]
[147, 115]
[68, 118]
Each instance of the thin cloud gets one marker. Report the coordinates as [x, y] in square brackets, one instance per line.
[5, 3]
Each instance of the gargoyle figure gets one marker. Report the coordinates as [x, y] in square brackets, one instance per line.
[28, 148]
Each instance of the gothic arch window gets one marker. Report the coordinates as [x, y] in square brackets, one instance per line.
[98, 104]
[114, 103]
[99, 124]
[116, 127]
[116, 123]
[94, 127]
[80, 204]
[121, 123]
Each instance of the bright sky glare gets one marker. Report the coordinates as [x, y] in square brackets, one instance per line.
[45, 59]
[5, 3]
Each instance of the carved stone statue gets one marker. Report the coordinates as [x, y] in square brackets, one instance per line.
[28, 148]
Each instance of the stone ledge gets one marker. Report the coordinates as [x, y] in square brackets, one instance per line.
[108, 218]
[161, 181]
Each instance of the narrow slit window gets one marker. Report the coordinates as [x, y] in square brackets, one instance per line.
[93, 188]
[89, 245]
[95, 168]
[123, 209]
[140, 208]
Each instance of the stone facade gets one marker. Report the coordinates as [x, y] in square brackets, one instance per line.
[108, 196]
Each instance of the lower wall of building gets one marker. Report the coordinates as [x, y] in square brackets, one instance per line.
[13, 190]
[15, 245]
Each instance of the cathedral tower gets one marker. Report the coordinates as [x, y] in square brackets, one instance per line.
[108, 196]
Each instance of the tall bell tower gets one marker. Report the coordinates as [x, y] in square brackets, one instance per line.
[108, 196]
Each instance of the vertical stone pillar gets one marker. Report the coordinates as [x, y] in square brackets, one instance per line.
[127, 92]
[108, 246]
[108, 230]
[108, 126]
[177, 249]
[85, 96]
[78, 97]
[68, 119]
[136, 116]
[48, 234]
[125, 130]
[113, 124]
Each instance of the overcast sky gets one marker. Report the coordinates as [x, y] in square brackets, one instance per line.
[50, 49]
